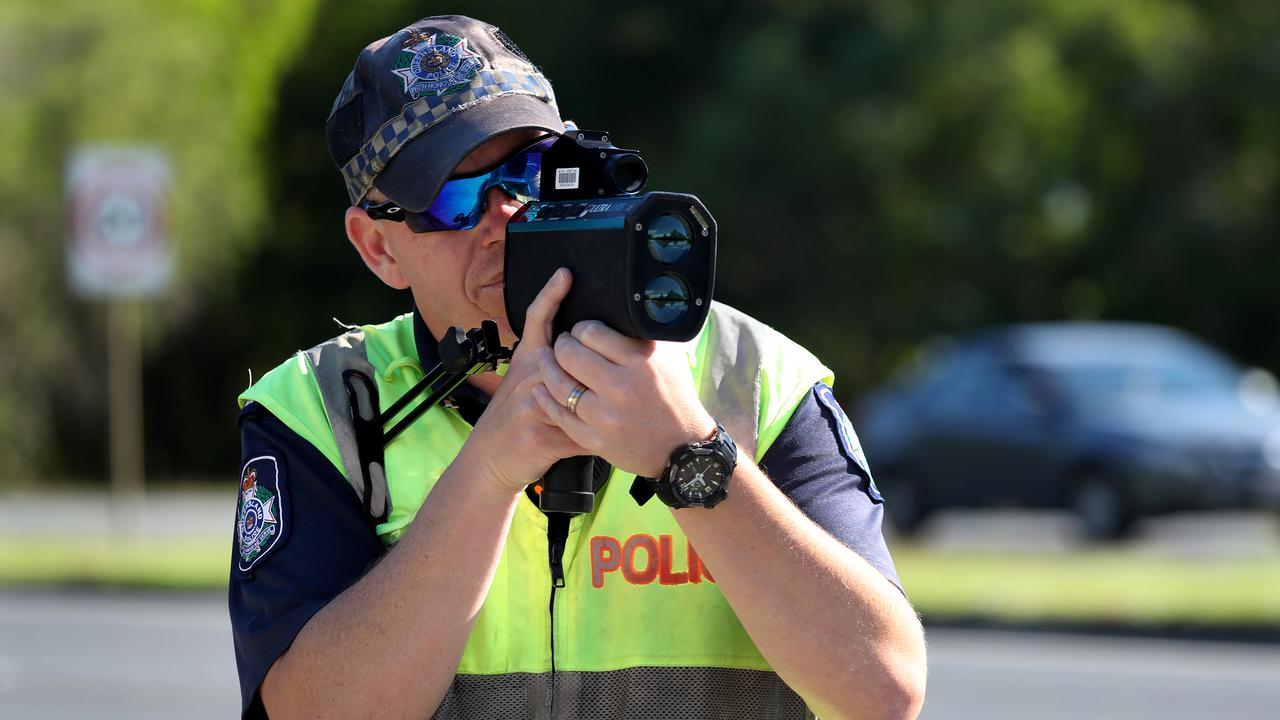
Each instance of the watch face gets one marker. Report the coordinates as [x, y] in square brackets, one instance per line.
[699, 477]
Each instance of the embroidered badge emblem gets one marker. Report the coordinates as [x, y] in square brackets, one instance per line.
[259, 519]
[439, 65]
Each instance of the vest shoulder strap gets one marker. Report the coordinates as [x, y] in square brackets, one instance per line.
[348, 388]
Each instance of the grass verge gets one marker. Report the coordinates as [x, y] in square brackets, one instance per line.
[1094, 587]
[124, 562]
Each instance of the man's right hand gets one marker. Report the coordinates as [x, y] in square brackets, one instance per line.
[515, 442]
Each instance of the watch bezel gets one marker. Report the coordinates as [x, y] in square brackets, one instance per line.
[720, 445]
[685, 455]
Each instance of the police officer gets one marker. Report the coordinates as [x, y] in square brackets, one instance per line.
[429, 582]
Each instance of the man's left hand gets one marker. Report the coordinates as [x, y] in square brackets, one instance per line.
[639, 405]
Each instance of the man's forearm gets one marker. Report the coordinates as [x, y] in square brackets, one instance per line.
[828, 622]
[406, 623]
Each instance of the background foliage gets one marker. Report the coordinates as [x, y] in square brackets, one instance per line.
[883, 171]
[196, 78]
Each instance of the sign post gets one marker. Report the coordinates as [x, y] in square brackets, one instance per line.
[119, 250]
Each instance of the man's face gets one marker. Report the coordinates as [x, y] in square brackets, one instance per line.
[457, 276]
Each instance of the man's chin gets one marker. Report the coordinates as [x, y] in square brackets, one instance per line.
[504, 328]
[506, 333]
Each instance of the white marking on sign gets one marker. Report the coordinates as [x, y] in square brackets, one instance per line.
[121, 220]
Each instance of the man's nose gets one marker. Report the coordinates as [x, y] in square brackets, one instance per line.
[498, 209]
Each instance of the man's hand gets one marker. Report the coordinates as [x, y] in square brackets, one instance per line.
[640, 403]
[515, 442]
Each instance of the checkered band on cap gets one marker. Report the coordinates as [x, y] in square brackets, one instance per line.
[426, 112]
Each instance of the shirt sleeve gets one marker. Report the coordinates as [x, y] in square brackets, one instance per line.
[301, 538]
[818, 464]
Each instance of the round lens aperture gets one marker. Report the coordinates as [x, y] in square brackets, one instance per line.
[670, 238]
[626, 172]
[666, 299]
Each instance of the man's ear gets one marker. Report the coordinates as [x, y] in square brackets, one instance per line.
[366, 235]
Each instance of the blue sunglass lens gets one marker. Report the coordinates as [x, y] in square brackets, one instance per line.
[460, 202]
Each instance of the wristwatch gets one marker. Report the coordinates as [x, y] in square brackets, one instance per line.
[697, 474]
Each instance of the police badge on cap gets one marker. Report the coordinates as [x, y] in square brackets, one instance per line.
[440, 64]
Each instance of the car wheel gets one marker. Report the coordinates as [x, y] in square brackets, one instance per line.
[906, 504]
[1102, 508]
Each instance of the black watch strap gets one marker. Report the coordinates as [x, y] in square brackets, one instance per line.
[642, 489]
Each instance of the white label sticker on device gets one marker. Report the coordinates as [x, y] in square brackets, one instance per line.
[567, 178]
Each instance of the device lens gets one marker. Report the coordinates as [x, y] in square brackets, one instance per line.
[626, 172]
[666, 299]
[670, 238]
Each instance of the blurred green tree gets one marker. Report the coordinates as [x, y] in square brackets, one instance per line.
[927, 167]
[198, 79]
[882, 171]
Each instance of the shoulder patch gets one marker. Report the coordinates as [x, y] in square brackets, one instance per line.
[260, 513]
[849, 443]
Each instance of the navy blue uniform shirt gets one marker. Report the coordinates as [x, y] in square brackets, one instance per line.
[312, 540]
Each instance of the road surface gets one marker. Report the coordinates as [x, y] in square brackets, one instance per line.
[134, 655]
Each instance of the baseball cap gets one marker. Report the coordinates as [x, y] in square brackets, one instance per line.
[419, 101]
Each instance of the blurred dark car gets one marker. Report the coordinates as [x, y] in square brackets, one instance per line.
[1114, 421]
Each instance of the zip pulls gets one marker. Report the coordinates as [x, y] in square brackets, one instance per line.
[557, 536]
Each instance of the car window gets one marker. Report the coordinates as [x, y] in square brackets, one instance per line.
[955, 397]
[1143, 366]
[1011, 394]
[984, 391]
[1102, 383]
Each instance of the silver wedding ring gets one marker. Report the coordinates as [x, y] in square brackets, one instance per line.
[571, 404]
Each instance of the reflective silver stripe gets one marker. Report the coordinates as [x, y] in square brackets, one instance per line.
[651, 693]
[328, 361]
[730, 384]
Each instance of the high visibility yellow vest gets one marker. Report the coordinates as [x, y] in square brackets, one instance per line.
[639, 629]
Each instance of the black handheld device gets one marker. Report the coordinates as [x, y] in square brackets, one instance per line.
[644, 264]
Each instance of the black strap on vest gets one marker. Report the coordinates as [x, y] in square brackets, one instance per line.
[462, 354]
[362, 393]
